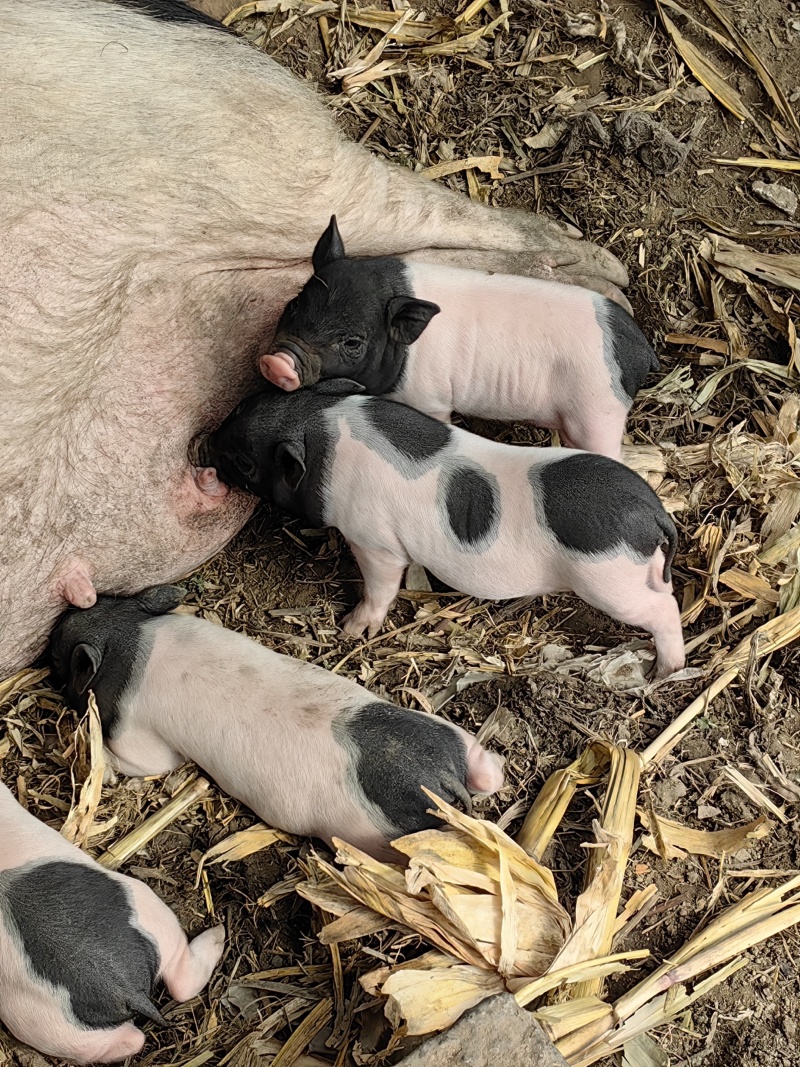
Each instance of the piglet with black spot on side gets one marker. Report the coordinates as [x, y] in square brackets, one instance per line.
[81, 947]
[443, 339]
[308, 751]
[491, 520]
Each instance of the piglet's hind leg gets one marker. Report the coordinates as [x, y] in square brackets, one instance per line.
[189, 972]
[382, 572]
[107, 1046]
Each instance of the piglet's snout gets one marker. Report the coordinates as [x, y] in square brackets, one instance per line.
[279, 368]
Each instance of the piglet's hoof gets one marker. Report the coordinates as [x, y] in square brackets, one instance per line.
[207, 482]
[359, 621]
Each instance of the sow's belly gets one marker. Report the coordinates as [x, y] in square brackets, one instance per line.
[94, 469]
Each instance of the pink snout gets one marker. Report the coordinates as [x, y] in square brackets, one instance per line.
[484, 770]
[278, 368]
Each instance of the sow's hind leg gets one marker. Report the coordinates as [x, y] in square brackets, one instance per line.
[386, 209]
[382, 208]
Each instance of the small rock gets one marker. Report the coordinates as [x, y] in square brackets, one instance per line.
[707, 811]
[668, 792]
[694, 94]
[498, 1031]
[777, 195]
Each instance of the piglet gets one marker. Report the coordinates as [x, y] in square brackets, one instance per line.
[81, 947]
[502, 348]
[489, 519]
[309, 752]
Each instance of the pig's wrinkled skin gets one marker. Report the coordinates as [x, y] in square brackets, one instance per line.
[80, 946]
[440, 339]
[162, 187]
[307, 751]
[491, 520]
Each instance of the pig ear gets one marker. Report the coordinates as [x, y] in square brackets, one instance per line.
[290, 459]
[160, 599]
[408, 317]
[338, 387]
[83, 666]
[329, 247]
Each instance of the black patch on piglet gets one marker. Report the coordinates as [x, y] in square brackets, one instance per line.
[397, 751]
[171, 11]
[626, 345]
[595, 505]
[98, 648]
[413, 434]
[472, 500]
[77, 927]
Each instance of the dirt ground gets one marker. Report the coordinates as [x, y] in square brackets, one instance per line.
[287, 586]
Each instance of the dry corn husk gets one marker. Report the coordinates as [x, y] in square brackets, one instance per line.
[471, 891]
[670, 840]
[482, 901]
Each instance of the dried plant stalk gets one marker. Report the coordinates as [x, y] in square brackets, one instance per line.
[596, 908]
[129, 845]
[80, 821]
[680, 840]
[555, 796]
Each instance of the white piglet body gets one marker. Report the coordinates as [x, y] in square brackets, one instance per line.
[525, 349]
[491, 520]
[80, 946]
[309, 752]
[444, 339]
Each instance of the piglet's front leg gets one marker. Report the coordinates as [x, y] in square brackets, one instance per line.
[382, 572]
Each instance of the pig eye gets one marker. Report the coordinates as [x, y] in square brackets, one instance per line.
[244, 465]
[351, 346]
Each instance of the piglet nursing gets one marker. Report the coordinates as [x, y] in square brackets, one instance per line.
[307, 751]
[492, 520]
[441, 339]
[81, 947]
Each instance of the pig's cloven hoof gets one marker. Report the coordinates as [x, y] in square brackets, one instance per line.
[359, 620]
[666, 669]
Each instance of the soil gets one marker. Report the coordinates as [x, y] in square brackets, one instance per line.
[287, 586]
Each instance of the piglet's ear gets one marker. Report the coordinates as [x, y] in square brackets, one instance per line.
[329, 247]
[83, 666]
[290, 460]
[160, 599]
[408, 317]
[338, 387]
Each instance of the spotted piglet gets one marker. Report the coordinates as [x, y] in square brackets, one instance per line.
[502, 348]
[307, 751]
[81, 947]
[491, 520]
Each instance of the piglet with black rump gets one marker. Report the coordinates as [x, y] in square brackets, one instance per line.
[502, 348]
[81, 947]
[491, 520]
[307, 751]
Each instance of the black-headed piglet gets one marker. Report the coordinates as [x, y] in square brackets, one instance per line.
[308, 751]
[491, 520]
[444, 339]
